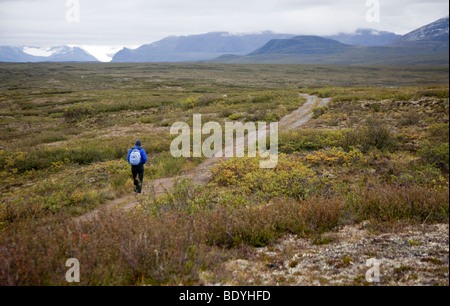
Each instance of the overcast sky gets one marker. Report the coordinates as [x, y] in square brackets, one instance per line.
[117, 23]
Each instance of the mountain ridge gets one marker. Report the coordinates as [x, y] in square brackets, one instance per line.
[365, 37]
[307, 44]
[57, 54]
[196, 47]
[435, 31]
[428, 45]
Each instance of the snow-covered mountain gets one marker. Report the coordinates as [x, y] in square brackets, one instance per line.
[436, 32]
[42, 54]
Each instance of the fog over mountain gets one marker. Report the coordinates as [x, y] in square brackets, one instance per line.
[366, 37]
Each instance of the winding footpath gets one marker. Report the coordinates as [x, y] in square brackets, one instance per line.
[201, 174]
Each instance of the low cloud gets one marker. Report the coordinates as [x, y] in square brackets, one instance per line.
[136, 22]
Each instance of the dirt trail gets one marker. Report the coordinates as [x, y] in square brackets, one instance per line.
[200, 175]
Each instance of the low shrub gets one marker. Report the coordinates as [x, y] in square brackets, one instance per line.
[290, 178]
[412, 117]
[392, 203]
[374, 134]
[235, 117]
[184, 196]
[120, 179]
[439, 132]
[259, 225]
[117, 249]
[208, 99]
[263, 98]
[334, 156]
[164, 165]
[435, 155]
[77, 111]
[319, 111]
[226, 112]
[189, 103]
[309, 140]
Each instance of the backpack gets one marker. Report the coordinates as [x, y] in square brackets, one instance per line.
[135, 157]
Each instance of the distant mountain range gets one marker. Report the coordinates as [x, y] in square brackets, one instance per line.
[54, 54]
[428, 45]
[212, 45]
[197, 47]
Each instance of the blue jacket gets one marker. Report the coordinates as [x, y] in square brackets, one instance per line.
[143, 155]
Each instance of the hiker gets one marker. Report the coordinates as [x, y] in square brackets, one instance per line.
[137, 159]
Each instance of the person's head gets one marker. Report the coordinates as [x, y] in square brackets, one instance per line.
[138, 143]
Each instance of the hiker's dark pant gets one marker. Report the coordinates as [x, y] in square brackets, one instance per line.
[138, 171]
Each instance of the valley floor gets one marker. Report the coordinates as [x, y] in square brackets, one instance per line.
[363, 175]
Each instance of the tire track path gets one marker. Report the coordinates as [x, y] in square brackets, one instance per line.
[200, 175]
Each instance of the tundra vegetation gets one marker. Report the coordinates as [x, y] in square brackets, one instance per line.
[378, 155]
